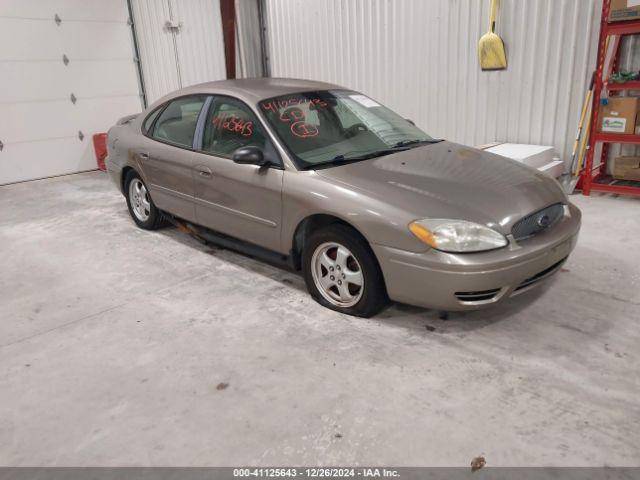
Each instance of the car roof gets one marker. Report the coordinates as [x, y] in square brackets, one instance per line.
[251, 90]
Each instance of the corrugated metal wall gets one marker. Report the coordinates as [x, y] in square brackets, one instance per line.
[157, 51]
[419, 58]
[199, 43]
[248, 40]
[176, 58]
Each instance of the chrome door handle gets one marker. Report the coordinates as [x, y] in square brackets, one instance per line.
[205, 172]
[143, 156]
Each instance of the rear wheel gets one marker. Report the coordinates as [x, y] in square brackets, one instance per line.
[141, 207]
[341, 272]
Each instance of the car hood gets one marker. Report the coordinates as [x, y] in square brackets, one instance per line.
[447, 180]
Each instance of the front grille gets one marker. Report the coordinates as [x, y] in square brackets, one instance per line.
[540, 275]
[537, 222]
[481, 296]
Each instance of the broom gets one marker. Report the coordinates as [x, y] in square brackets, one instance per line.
[584, 147]
[580, 145]
[491, 47]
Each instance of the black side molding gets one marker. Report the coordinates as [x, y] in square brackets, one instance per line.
[206, 235]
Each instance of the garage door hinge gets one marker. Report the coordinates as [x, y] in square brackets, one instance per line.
[173, 25]
[57, 19]
[80, 135]
[73, 99]
[65, 59]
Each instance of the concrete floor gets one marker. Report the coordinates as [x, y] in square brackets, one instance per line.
[113, 341]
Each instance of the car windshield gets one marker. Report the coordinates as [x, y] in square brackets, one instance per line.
[332, 127]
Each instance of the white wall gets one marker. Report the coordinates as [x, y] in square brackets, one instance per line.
[419, 58]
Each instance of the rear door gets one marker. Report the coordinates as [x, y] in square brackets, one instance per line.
[166, 157]
[244, 201]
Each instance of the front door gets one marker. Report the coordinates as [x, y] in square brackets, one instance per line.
[244, 201]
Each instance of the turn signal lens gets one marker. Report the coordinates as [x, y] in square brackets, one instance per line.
[457, 236]
[423, 234]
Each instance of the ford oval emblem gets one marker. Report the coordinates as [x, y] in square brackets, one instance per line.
[544, 221]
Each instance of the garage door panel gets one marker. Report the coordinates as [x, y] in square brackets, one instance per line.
[107, 78]
[96, 39]
[27, 121]
[39, 126]
[33, 121]
[67, 9]
[39, 40]
[29, 40]
[111, 110]
[32, 81]
[17, 161]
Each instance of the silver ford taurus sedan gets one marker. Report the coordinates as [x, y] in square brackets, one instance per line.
[333, 183]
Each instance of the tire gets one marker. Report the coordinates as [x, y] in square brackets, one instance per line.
[357, 287]
[141, 207]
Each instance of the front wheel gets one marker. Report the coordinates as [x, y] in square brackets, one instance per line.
[342, 273]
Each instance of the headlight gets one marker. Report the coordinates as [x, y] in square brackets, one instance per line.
[457, 236]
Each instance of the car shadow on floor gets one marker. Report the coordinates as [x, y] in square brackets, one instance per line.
[259, 266]
[412, 317]
[397, 314]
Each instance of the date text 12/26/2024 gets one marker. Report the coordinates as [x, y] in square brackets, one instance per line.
[316, 472]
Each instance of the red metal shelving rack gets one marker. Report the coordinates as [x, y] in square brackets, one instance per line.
[600, 182]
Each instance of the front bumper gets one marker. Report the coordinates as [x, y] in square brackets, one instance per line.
[471, 281]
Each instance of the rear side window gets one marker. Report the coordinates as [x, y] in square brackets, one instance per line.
[148, 123]
[177, 123]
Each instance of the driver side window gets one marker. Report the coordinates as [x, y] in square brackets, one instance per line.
[230, 125]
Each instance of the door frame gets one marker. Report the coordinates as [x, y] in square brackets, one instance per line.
[199, 202]
[199, 134]
[136, 52]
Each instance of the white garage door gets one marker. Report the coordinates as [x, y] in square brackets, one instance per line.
[40, 125]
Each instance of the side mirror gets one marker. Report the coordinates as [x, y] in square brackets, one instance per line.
[249, 156]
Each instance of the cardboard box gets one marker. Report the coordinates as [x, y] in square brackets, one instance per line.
[624, 10]
[626, 168]
[619, 116]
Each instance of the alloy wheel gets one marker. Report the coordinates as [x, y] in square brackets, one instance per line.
[139, 198]
[337, 274]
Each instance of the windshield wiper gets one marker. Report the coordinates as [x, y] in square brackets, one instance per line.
[365, 156]
[344, 159]
[406, 143]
